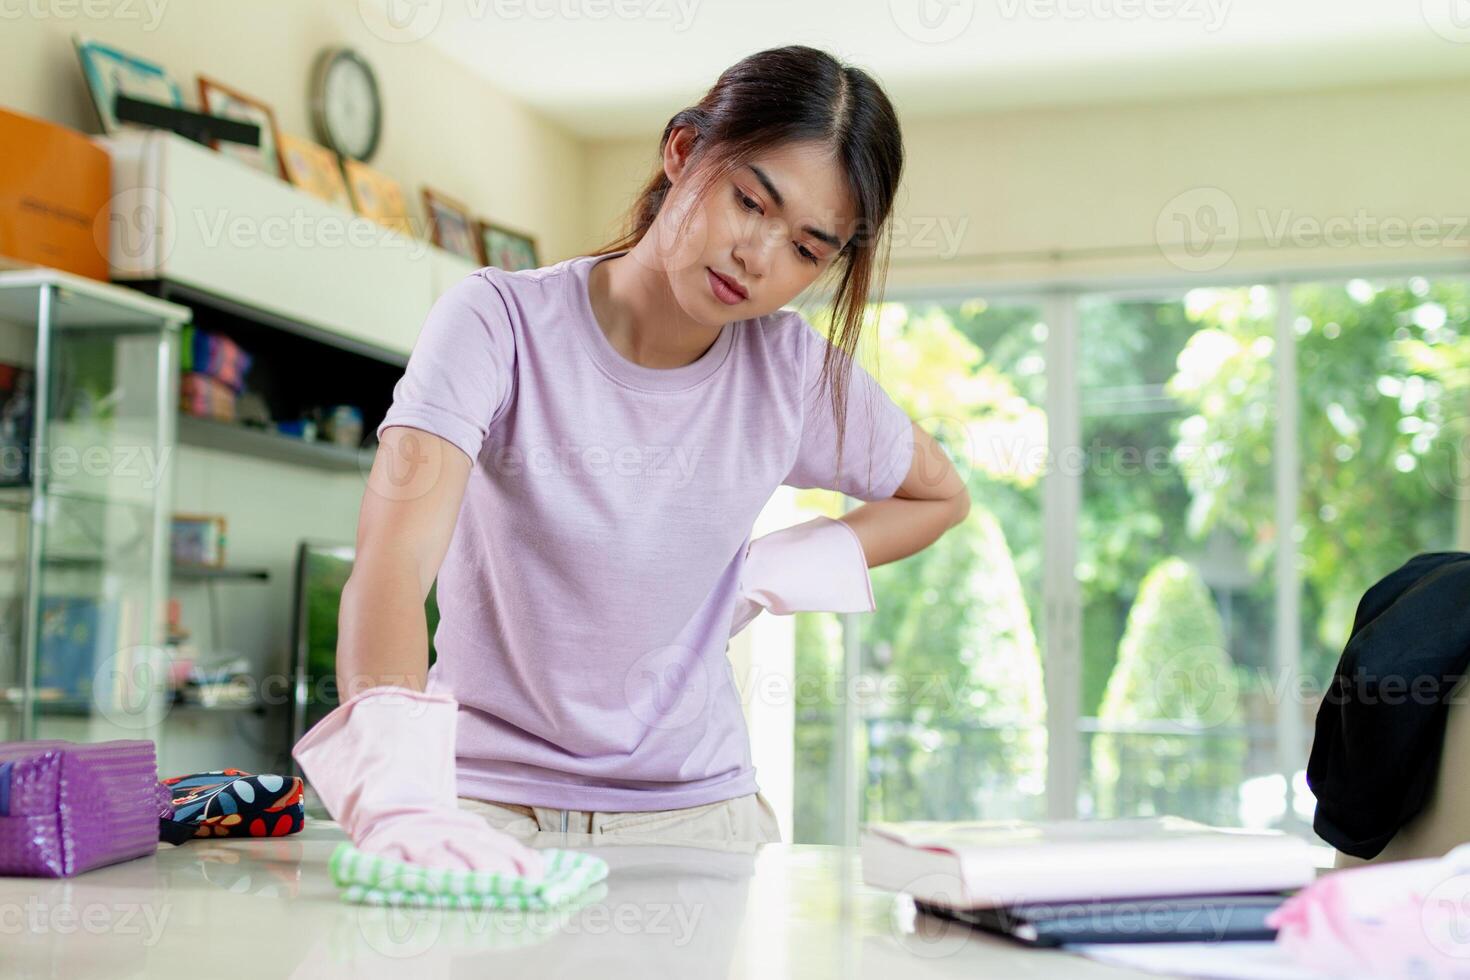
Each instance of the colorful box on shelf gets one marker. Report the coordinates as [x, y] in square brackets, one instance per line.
[214, 355]
[206, 397]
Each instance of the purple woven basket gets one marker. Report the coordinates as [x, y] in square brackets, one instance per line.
[69, 807]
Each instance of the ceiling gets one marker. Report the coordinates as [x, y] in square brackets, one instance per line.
[614, 68]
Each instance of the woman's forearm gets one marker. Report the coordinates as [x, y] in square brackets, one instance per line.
[898, 527]
[382, 631]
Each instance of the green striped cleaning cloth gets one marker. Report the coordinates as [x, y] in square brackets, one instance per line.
[375, 880]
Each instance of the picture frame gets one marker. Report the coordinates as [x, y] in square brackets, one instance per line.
[315, 169]
[198, 539]
[508, 249]
[218, 99]
[451, 225]
[377, 196]
[109, 70]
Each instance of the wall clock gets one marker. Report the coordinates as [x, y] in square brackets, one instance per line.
[346, 108]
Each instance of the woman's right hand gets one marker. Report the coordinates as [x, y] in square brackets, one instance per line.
[383, 764]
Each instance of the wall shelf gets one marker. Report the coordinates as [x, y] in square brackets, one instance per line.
[231, 437]
[181, 570]
[242, 236]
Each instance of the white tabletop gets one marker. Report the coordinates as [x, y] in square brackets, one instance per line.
[266, 909]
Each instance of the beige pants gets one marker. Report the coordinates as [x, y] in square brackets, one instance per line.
[743, 818]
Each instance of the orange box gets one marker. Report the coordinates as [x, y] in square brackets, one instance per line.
[54, 187]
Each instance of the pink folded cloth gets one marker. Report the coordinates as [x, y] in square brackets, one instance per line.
[818, 565]
[383, 764]
[1395, 919]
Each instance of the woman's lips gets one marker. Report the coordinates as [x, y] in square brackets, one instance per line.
[723, 290]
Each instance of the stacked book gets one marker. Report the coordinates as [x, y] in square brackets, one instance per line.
[1152, 879]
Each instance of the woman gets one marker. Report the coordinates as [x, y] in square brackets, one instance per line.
[579, 452]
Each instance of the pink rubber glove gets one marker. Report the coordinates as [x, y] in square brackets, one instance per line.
[816, 566]
[1393, 919]
[383, 763]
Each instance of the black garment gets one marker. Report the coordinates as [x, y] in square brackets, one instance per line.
[1380, 727]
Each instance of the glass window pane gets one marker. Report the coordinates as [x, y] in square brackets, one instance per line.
[1175, 553]
[950, 704]
[1383, 367]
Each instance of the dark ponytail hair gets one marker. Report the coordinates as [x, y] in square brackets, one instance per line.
[798, 94]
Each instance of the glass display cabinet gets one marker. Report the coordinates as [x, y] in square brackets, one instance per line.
[89, 376]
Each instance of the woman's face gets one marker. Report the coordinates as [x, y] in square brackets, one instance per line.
[769, 230]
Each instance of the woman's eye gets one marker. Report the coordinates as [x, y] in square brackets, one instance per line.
[752, 205]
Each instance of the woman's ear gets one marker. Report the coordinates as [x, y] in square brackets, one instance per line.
[677, 152]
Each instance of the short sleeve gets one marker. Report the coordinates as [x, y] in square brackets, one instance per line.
[878, 445]
[459, 373]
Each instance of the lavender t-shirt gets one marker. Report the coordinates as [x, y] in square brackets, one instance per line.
[587, 593]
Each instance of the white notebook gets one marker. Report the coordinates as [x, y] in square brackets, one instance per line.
[990, 863]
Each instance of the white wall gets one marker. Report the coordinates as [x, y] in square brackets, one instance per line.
[1011, 197]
